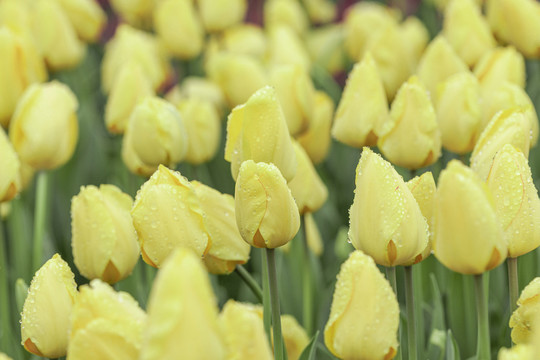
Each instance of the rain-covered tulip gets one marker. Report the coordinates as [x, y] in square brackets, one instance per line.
[228, 249]
[467, 234]
[511, 126]
[86, 16]
[135, 12]
[306, 186]
[321, 11]
[103, 238]
[129, 87]
[182, 313]
[459, 112]
[47, 309]
[257, 131]
[286, 47]
[243, 332]
[247, 39]
[324, 46]
[364, 316]
[516, 200]
[522, 320]
[105, 324]
[287, 13]
[266, 213]
[167, 214]
[385, 220]
[44, 128]
[316, 140]
[10, 181]
[411, 136]
[218, 15]
[500, 65]
[295, 338]
[155, 135]
[416, 36]
[198, 88]
[178, 25]
[363, 107]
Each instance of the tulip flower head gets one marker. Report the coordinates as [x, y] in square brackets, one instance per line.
[522, 321]
[285, 13]
[500, 65]
[86, 16]
[10, 181]
[218, 15]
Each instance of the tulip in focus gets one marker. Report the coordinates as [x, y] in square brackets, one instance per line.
[104, 241]
[47, 309]
[364, 317]
[522, 321]
[218, 15]
[10, 181]
[500, 65]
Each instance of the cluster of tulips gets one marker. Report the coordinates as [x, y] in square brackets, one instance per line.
[171, 71]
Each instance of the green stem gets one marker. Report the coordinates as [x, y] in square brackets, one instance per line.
[409, 301]
[250, 282]
[39, 219]
[513, 282]
[307, 291]
[276, 315]
[5, 317]
[267, 310]
[391, 276]
[483, 346]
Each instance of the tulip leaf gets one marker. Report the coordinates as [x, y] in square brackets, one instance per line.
[437, 340]
[21, 291]
[310, 349]
[452, 349]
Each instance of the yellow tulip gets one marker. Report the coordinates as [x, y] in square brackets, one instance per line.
[198, 88]
[47, 309]
[459, 112]
[218, 15]
[516, 200]
[105, 324]
[129, 87]
[325, 46]
[86, 17]
[522, 320]
[363, 107]
[10, 181]
[416, 36]
[364, 316]
[155, 135]
[266, 213]
[285, 13]
[182, 313]
[246, 39]
[385, 220]
[467, 234]
[518, 352]
[313, 236]
[257, 131]
[243, 331]
[4, 356]
[306, 186]
[166, 214]
[44, 128]
[228, 249]
[16, 16]
[411, 137]
[500, 65]
[177, 24]
[286, 47]
[511, 126]
[321, 11]
[295, 337]
[316, 140]
[135, 12]
[103, 238]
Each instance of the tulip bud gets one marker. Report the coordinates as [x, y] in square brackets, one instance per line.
[167, 214]
[228, 249]
[243, 331]
[285, 13]
[316, 140]
[286, 47]
[177, 24]
[47, 309]
[86, 17]
[10, 181]
[306, 186]
[411, 137]
[385, 220]
[325, 46]
[135, 12]
[266, 213]
[257, 131]
[44, 128]
[364, 317]
[198, 88]
[218, 15]
[155, 135]
[182, 312]
[500, 65]
[105, 324]
[510, 126]
[516, 200]
[321, 11]
[103, 238]
[522, 321]
[295, 338]
[467, 235]
[246, 39]
[416, 36]
[363, 107]
[459, 112]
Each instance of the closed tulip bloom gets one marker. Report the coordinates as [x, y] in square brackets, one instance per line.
[218, 15]
[286, 47]
[257, 131]
[166, 214]
[313, 235]
[295, 338]
[325, 47]
[500, 65]
[287, 13]
[266, 213]
[44, 128]
[509, 126]
[385, 220]
[135, 12]
[155, 135]
[516, 200]
[228, 249]
[459, 112]
[364, 317]
[522, 321]
[247, 39]
[105, 324]
[103, 238]
[86, 16]
[467, 235]
[321, 11]
[10, 181]
[411, 137]
[178, 25]
[416, 37]
[182, 312]
[199, 88]
[306, 186]
[243, 331]
[47, 309]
